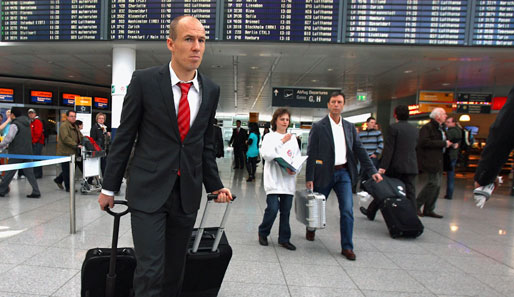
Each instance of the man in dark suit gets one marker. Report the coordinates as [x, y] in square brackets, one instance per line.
[431, 147]
[334, 149]
[399, 157]
[165, 108]
[219, 146]
[238, 142]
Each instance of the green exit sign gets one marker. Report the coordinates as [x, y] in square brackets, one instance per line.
[362, 96]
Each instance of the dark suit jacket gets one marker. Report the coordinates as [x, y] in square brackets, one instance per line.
[430, 147]
[149, 112]
[399, 154]
[500, 143]
[320, 163]
[238, 140]
[219, 146]
[97, 133]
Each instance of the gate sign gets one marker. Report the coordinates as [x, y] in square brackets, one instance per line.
[474, 102]
[301, 97]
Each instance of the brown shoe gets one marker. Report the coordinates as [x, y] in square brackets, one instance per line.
[349, 254]
[309, 235]
[433, 215]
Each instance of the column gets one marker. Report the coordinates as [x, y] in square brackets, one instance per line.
[123, 64]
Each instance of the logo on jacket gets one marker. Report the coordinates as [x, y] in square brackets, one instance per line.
[289, 153]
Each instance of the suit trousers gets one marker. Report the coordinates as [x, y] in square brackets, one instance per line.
[428, 195]
[28, 172]
[37, 148]
[239, 156]
[160, 242]
[410, 191]
[342, 185]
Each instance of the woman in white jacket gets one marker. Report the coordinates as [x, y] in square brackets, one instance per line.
[279, 184]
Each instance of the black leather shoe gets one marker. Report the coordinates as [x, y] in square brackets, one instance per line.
[288, 246]
[309, 235]
[433, 215]
[34, 195]
[263, 240]
[58, 184]
[6, 192]
[364, 211]
[447, 197]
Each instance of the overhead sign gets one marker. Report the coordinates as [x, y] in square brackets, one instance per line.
[101, 103]
[301, 97]
[69, 99]
[362, 96]
[6, 95]
[41, 97]
[435, 96]
[474, 102]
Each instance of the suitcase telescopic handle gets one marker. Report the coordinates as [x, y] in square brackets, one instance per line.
[196, 244]
[117, 214]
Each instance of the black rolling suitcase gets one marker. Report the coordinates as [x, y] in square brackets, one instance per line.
[107, 274]
[208, 257]
[399, 214]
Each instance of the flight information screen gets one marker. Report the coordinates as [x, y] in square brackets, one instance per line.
[407, 21]
[281, 20]
[494, 23]
[51, 20]
[150, 19]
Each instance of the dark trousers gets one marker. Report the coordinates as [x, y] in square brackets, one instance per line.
[276, 202]
[428, 195]
[251, 166]
[160, 241]
[64, 176]
[37, 148]
[450, 179]
[239, 157]
[410, 191]
[29, 173]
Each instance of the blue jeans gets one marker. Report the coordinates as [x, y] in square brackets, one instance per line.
[342, 185]
[274, 203]
[450, 179]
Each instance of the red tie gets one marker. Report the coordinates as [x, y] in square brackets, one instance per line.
[184, 114]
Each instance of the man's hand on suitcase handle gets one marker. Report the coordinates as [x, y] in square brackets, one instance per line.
[224, 195]
[105, 200]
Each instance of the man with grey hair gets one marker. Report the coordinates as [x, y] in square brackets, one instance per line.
[431, 147]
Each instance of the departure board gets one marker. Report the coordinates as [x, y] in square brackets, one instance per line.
[51, 20]
[494, 23]
[150, 19]
[281, 20]
[437, 22]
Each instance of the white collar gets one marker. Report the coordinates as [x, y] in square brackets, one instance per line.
[334, 122]
[175, 80]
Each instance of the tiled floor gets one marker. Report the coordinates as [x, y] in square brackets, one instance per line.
[468, 253]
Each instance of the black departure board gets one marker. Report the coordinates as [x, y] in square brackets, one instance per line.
[150, 19]
[51, 20]
[281, 20]
[494, 23]
[434, 22]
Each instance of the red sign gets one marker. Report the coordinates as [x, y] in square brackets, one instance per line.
[499, 102]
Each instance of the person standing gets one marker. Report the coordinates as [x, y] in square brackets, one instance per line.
[68, 143]
[18, 139]
[38, 138]
[334, 149]
[238, 142]
[454, 134]
[279, 185]
[372, 140]
[219, 146]
[431, 147]
[101, 136]
[170, 109]
[253, 151]
[399, 157]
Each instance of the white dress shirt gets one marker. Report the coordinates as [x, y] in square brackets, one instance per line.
[194, 97]
[339, 141]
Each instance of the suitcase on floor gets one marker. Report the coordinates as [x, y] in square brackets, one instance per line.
[399, 214]
[107, 274]
[310, 209]
[401, 218]
[208, 257]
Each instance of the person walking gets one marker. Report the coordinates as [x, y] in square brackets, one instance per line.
[279, 184]
[253, 151]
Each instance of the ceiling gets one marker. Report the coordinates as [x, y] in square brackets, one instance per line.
[385, 72]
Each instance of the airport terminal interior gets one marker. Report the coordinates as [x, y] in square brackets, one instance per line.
[57, 56]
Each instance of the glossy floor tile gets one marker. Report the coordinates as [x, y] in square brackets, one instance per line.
[470, 252]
